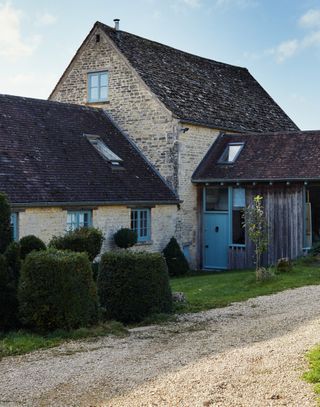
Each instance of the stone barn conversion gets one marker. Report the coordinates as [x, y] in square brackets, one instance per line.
[65, 166]
[172, 105]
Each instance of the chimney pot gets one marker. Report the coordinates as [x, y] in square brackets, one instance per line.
[116, 23]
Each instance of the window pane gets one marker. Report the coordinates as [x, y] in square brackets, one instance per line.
[216, 199]
[238, 231]
[103, 93]
[239, 197]
[140, 222]
[231, 152]
[94, 81]
[94, 94]
[103, 79]
[134, 220]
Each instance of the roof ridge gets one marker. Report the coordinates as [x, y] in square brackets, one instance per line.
[46, 101]
[99, 23]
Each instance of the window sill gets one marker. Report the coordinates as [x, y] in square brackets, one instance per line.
[98, 103]
[147, 243]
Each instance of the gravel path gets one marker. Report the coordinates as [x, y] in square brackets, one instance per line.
[248, 354]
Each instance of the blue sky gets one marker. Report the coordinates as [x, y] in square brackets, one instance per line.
[277, 40]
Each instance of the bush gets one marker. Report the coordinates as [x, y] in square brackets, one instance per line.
[264, 274]
[57, 291]
[176, 261]
[13, 259]
[132, 286]
[5, 223]
[30, 243]
[315, 250]
[88, 240]
[125, 238]
[8, 298]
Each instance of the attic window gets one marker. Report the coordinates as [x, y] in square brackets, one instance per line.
[101, 147]
[231, 153]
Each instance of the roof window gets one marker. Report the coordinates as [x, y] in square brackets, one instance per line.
[231, 153]
[101, 147]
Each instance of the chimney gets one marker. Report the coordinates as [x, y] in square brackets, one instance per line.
[116, 24]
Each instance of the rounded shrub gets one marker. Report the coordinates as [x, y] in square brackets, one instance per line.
[13, 259]
[88, 240]
[5, 223]
[8, 298]
[132, 286]
[57, 291]
[30, 243]
[125, 238]
[176, 261]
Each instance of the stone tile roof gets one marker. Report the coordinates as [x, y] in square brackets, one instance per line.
[45, 158]
[201, 90]
[271, 157]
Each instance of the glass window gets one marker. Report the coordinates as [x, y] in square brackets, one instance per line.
[98, 86]
[14, 226]
[141, 223]
[99, 145]
[231, 153]
[238, 208]
[78, 219]
[216, 199]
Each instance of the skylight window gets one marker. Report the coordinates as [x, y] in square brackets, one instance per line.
[231, 153]
[106, 153]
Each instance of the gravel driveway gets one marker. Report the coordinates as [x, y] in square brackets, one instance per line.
[247, 354]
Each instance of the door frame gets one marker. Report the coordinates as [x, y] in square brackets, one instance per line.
[229, 231]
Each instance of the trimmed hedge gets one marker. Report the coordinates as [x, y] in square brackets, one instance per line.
[176, 261]
[8, 299]
[5, 223]
[30, 243]
[57, 291]
[125, 238]
[132, 286]
[88, 240]
[13, 258]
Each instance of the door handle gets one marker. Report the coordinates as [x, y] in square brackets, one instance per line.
[206, 246]
[217, 229]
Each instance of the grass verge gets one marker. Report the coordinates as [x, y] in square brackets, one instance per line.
[20, 342]
[313, 374]
[212, 290]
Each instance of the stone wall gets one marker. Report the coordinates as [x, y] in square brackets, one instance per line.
[139, 113]
[47, 222]
[131, 104]
[193, 145]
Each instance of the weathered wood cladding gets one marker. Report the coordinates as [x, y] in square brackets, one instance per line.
[284, 209]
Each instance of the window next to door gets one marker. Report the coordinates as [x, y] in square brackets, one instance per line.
[141, 223]
[238, 209]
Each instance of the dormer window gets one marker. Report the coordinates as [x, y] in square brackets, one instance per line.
[231, 153]
[105, 151]
[98, 86]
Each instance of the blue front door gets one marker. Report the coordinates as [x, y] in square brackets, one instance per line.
[216, 240]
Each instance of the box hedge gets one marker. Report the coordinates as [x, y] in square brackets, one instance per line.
[57, 291]
[87, 240]
[30, 243]
[5, 223]
[176, 261]
[132, 286]
[8, 298]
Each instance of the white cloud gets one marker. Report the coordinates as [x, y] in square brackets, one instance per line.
[310, 19]
[235, 3]
[285, 50]
[45, 19]
[12, 43]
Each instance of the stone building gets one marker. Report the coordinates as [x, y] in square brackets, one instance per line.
[65, 166]
[172, 105]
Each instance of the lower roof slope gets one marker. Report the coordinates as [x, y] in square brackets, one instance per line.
[45, 157]
[268, 157]
[201, 90]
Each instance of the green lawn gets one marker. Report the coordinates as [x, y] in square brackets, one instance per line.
[20, 342]
[212, 290]
[313, 375]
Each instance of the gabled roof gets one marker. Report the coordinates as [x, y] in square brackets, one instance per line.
[201, 90]
[282, 156]
[46, 158]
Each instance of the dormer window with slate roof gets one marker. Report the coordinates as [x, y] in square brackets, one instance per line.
[231, 153]
[105, 151]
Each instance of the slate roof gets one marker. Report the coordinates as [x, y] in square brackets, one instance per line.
[44, 157]
[271, 157]
[201, 90]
